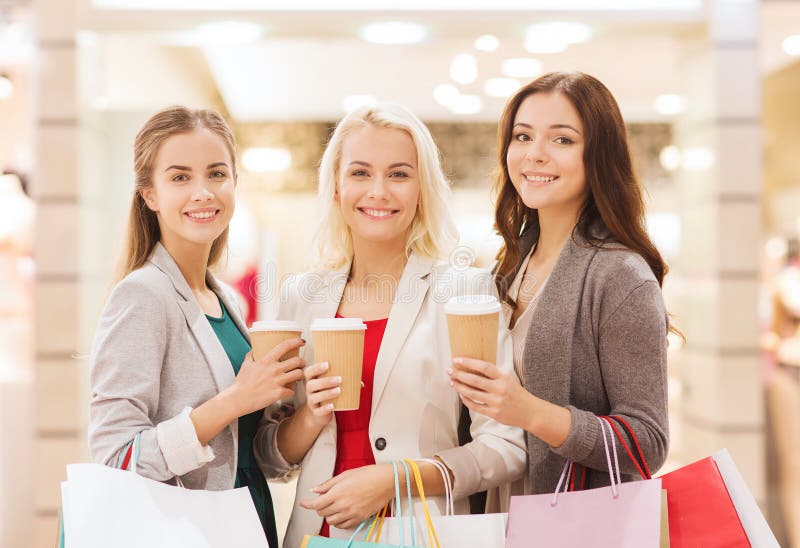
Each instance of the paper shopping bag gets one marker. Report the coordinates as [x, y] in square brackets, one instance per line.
[623, 515]
[104, 506]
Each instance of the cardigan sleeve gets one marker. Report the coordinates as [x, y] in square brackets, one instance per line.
[632, 352]
[125, 376]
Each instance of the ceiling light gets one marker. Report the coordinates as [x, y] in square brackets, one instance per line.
[227, 32]
[393, 32]
[487, 42]
[464, 68]
[698, 159]
[555, 36]
[522, 68]
[6, 87]
[501, 87]
[263, 160]
[445, 94]
[352, 102]
[467, 104]
[791, 44]
[669, 104]
[670, 158]
[563, 31]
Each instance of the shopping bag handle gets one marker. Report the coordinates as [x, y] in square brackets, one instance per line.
[638, 457]
[449, 507]
[567, 470]
[432, 536]
[378, 519]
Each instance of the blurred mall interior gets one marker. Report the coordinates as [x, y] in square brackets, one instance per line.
[710, 90]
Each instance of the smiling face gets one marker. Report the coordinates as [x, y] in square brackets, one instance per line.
[378, 185]
[193, 188]
[545, 155]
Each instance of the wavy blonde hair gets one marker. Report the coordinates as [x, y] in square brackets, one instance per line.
[432, 233]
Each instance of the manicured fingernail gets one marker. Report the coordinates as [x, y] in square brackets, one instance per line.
[458, 361]
[302, 339]
[329, 406]
[449, 371]
[338, 390]
[338, 379]
[451, 383]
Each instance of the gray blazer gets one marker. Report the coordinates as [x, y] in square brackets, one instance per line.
[154, 358]
[597, 345]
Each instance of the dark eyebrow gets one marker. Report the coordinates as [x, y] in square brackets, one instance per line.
[554, 126]
[182, 168]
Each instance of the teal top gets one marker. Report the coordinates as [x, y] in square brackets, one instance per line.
[248, 473]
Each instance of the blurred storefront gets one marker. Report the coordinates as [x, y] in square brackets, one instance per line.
[709, 90]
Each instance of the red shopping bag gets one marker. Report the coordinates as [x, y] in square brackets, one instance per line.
[701, 512]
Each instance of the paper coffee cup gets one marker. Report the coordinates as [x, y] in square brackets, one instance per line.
[264, 336]
[340, 342]
[472, 322]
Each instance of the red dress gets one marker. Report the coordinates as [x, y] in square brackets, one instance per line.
[353, 448]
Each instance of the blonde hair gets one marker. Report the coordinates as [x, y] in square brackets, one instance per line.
[143, 231]
[432, 233]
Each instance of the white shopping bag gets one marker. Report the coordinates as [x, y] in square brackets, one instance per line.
[453, 531]
[755, 525]
[104, 506]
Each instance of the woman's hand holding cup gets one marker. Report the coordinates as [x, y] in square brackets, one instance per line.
[260, 383]
[321, 391]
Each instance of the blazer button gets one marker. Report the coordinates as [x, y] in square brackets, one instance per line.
[380, 444]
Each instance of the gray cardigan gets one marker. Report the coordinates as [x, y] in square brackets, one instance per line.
[597, 345]
[154, 358]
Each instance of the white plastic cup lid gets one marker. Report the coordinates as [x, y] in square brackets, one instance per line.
[472, 305]
[276, 325]
[338, 324]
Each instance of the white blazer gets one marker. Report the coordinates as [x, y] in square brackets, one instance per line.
[414, 409]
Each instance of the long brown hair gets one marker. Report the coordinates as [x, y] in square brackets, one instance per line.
[614, 200]
[143, 231]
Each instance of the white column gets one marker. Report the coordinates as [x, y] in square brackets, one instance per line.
[720, 202]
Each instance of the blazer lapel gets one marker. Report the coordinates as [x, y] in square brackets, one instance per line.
[216, 358]
[411, 292]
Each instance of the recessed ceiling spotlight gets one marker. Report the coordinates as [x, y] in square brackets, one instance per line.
[464, 68]
[228, 32]
[487, 42]
[522, 67]
[393, 33]
[264, 160]
[669, 104]
[352, 102]
[501, 87]
[467, 104]
[555, 36]
[445, 94]
[791, 44]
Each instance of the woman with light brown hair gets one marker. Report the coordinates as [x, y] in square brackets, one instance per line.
[581, 281]
[170, 361]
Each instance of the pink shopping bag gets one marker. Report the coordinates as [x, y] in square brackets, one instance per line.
[623, 515]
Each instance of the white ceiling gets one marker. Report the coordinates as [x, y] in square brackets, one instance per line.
[309, 61]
